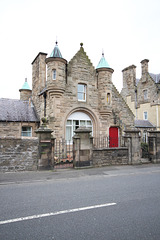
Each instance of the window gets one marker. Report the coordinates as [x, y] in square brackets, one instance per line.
[76, 120]
[145, 137]
[81, 92]
[54, 74]
[108, 98]
[26, 132]
[145, 116]
[145, 94]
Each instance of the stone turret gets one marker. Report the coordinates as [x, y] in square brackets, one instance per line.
[104, 77]
[56, 72]
[25, 91]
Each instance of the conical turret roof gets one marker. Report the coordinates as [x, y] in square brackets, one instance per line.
[102, 63]
[25, 85]
[56, 52]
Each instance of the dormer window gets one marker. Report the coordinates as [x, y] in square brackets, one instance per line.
[54, 74]
[82, 92]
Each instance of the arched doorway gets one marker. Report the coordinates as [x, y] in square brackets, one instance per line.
[76, 120]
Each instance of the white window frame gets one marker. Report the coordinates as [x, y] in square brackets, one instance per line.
[54, 73]
[78, 119]
[27, 133]
[145, 115]
[82, 93]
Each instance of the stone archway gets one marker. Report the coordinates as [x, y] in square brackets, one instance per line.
[80, 117]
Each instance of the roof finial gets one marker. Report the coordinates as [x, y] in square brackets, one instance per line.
[81, 44]
[56, 41]
[25, 79]
[102, 52]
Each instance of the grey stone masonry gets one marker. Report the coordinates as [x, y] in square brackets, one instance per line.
[110, 156]
[132, 142]
[45, 160]
[154, 146]
[18, 154]
[82, 147]
[129, 82]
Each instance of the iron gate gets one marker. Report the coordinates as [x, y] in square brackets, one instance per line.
[63, 154]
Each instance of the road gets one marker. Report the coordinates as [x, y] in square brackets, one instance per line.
[105, 203]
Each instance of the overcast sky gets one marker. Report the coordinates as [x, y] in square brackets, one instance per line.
[127, 30]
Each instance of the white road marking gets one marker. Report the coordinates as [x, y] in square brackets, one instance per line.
[56, 213]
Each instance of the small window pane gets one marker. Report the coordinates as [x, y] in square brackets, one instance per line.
[26, 132]
[80, 88]
[69, 122]
[145, 116]
[89, 123]
[80, 96]
[82, 123]
[54, 74]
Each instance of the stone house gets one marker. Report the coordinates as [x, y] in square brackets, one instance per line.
[73, 94]
[18, 117]
[142, 95]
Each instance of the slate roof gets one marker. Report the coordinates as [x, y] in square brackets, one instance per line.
[155, 77]
[143, 124]
[13, 110]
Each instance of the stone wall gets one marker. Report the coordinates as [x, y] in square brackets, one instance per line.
[13, 129]
[110, 156]
[18, 154]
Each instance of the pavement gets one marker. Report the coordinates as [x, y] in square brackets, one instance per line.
[57, 174]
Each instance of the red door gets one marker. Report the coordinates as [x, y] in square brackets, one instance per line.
[113, 137]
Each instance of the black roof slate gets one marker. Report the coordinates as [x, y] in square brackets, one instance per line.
[13, 110]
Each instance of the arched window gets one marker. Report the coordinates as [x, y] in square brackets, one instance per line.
[74, 121]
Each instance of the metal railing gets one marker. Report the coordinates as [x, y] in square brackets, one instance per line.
[106, 142]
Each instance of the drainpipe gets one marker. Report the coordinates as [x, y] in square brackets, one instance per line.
[157, 116]
[136, 101]
[44, 95]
